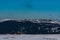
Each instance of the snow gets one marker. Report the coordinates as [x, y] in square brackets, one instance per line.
[30, 37]
[2, 20]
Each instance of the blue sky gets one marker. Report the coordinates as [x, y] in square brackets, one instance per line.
[45, 9]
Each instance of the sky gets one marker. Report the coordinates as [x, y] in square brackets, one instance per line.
[26, 9]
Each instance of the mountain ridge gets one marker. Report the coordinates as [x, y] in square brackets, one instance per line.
[29, 26]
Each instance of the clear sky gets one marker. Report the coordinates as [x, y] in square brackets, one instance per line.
[45, 9]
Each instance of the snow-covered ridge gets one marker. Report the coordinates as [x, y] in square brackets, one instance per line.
[32, 20]
[2, 20]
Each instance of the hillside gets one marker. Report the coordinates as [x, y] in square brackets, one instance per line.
[29, 27]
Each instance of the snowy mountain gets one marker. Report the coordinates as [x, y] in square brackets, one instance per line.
[29, 26]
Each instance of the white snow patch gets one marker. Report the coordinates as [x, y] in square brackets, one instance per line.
[30, 37]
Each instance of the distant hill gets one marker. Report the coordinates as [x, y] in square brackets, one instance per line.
[29, 26]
